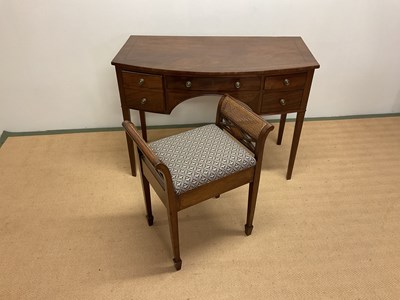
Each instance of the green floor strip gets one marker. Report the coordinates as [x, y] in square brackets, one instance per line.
[7, 134]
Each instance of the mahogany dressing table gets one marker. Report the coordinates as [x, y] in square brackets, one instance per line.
[272, 75]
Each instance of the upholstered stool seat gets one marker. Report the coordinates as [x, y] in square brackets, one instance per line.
[201, 155]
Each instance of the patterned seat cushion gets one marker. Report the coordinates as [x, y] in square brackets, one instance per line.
[201, 155]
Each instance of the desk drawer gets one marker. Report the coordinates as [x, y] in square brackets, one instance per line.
[285, 81]
[145, 99]
[141, 80]
[214, 83]
[281, 102]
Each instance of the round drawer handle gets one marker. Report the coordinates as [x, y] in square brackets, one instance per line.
[286, 82]
[143, 101]
[282, 102]
[237, 84]
[188, 84]
[141, 81]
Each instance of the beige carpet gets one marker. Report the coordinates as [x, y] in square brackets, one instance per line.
[72, 222]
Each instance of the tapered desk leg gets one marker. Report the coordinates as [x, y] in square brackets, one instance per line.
[143, 124]
[127, 116]
[281, 128]
[295, 143]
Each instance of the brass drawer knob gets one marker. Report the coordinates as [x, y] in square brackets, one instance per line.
[286, 82]
[282, 102]
[141, 81]
[237, 84]
[143, 101]
[188, 84]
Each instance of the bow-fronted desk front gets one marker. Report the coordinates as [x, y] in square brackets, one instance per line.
[272, 75]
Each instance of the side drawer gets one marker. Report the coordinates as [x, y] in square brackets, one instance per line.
[289, 81]
[281, 102]
[141, 80]
[145, 99]
[213, 83]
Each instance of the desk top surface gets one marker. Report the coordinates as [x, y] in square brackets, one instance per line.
[215, 54]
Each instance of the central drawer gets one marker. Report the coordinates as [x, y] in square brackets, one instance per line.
[213, 83]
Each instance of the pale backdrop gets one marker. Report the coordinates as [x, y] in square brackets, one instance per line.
[55, 70]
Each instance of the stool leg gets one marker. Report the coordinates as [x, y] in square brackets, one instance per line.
[146, 195]
[173, 229]
[251, 207]
[147, 201]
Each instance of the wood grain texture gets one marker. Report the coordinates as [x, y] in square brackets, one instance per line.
[216, 54]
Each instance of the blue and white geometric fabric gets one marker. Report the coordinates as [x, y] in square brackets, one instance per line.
[201, 155]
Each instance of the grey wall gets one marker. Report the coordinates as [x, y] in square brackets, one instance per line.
[55, 70]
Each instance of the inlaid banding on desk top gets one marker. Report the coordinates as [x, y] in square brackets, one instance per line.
[216, 54]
